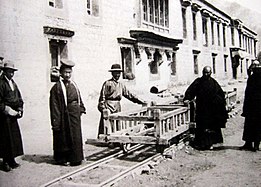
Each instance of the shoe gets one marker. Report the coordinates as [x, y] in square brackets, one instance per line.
[247, 148]
[14, 165]
[6, 167]
[256, 146]
[75, 163]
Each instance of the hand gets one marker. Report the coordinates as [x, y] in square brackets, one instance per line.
[9, 111]
[144, 104]
[186, 102]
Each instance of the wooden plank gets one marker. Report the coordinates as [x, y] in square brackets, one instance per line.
[167, 136]
[129, 139]
[130, 118]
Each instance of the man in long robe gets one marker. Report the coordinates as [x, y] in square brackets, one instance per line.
[66, 107]
[11, 109]
[252, 111]
[211, 114]
[111, 94]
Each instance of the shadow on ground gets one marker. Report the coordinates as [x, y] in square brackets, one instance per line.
[38, 159]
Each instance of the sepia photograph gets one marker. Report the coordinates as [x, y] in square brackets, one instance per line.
[135, 93]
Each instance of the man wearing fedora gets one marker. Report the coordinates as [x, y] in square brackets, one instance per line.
[111, 95]
[11, 109]
[66, 107]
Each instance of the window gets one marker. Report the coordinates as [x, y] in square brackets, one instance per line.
[194, 26]
[225, 63]
[58, 50]
[154, 64]
[195, 60]
[184, 21]
[92, 7]
[232, 36]
[205, 31]
[214, 63]
[56, 3]
[240, 40]
[156, 13]
[212, 32]
[218, 34]
[247, 64]
[224, 35]
[173, 65]
[127, 63]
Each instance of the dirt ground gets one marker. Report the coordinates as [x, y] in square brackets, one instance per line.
[226, 165]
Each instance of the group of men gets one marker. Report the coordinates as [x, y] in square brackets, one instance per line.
[66, 108]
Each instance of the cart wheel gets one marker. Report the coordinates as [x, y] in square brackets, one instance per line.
[160, 148]
[125, 147]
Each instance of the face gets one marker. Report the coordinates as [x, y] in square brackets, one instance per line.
[116, 75]
[66, 74]
[9, 73]
[206, 72]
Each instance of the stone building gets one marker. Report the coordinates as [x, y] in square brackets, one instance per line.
[158, 42]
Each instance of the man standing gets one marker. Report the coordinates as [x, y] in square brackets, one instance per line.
[66, 107]
[11, 109]
[211, 114]
[252, 111]
[111, 95]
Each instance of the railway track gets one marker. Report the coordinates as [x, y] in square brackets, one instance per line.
[111, 168]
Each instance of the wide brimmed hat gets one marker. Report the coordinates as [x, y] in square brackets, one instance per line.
[8, 64]
[115, 67]
[67, 62]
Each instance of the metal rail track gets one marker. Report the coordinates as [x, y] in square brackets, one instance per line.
[65, 180]
[90, 166]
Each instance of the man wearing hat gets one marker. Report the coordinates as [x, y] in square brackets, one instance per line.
[11, 109]
[111, 95]
[252, 111]
[66, 107]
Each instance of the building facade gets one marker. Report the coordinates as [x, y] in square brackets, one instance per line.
[158, 42]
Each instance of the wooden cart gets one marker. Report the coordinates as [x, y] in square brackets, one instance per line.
[149, 125]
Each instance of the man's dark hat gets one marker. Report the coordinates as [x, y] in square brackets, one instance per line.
[8, 64]
[115, 67]
[66, 62]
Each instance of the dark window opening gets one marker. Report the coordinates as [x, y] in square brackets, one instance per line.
[173, 65]
[127, 63]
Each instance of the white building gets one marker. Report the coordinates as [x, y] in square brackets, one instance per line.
[158, 42]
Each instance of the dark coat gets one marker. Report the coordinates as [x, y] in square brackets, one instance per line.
[252, 108]
[66, 122]
[210, 103]
[10, 136]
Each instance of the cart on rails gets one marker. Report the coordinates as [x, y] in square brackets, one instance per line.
[156, 125]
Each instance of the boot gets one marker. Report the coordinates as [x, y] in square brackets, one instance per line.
[256, 146]
[13, 164]
[6, 167]
[247, 146]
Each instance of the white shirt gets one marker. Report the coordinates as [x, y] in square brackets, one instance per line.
[10, 82]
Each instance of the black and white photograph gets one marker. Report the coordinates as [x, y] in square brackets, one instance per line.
[137, 93]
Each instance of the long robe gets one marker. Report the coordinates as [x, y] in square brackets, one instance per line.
[11, 144]
[211, 114]
[252, 109]
[110, 96]
[65, 111]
